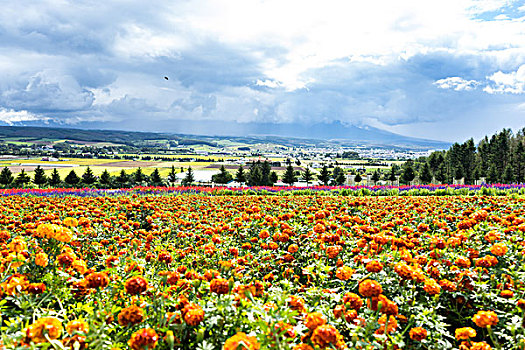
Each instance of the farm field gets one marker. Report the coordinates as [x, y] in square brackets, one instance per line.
[198, 271]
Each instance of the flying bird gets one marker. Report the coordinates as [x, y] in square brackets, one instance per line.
[166, 78]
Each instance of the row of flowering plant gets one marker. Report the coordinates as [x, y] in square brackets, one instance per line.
[182, 270]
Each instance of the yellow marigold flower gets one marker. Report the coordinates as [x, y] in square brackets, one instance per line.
[41, 259]
[80, 266]
[45, 230]
[302, 346]
[241, 341]
[17, 245]
[480, 346]
[314, 320]
[50, 326]
[15, 259]
[499, 249]
[484, 319]
[14, 284]
[63, 234]
[465, 333]
[70, 222]
[344, 273]
[77, 326]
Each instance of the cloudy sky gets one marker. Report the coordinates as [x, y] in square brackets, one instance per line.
[446, 70]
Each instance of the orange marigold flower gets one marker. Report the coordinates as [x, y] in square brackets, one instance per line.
[296, 303]
[374, 266]
[506, 294]
[353, 301]
[294, 248]
[45, 325]
[302, 346]
[136, 285]
[418, 333]
[391, 327]
[484, 319]
[241, 341]
[480, 346]
[344, 273]
[41, 259]
[499, 249]
[465, 333]
[70, 222]
[193, 314]
[77, 326]
[462, 261]
[130, 315]
[431, 287]
[326, 335]
[370, 288]
[313, 320]
[97, 280]
[521, 304]
[143, 339]
[35, 288]
[219, 286]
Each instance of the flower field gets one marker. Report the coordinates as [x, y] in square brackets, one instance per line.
[182, 270]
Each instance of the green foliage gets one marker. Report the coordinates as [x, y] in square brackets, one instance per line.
[223, 177]
[39, 178]
[88, 178]
[289, 176]
[6, 177]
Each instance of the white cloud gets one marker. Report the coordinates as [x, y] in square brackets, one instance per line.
[513, 82]
[11, 116]
[456, 83]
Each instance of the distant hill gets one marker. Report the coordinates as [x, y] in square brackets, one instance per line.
[293, 135]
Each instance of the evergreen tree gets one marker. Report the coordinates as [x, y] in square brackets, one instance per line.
[307, 176]
[265, 173]
[339, 176]
[72, 179]
[155, 178]
[375, 177]
[6, 177]
[358, 178]
[105, 179]
[240, 176]
[425, 176]
[88, 178]
[172, 176]
[55, 180]
[392, 175]
[492, 176]
[508, 175]
[223, 177]
[273, 177]
[324, 175]
[39, 177]
[189, 179]
[408, 174]
[22, 179]
[289, 176]
[255, 175]
[138, 176]
[122, 180]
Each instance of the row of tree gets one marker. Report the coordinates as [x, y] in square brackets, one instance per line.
[498, 159]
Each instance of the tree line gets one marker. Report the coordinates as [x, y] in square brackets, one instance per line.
[498, 159]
